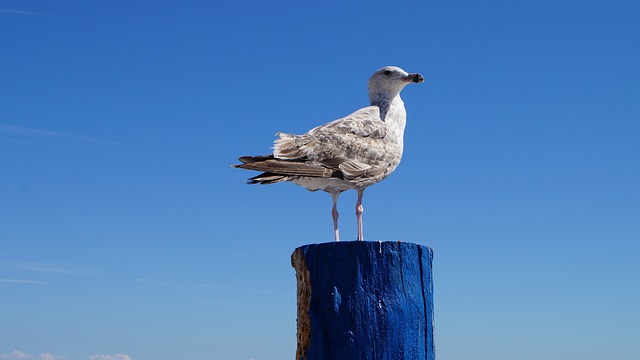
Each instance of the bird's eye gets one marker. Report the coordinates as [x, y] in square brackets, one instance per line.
[387, 72]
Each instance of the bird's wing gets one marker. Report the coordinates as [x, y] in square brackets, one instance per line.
[271, 165]
[365, 122]
[348, 148]
[341, 144]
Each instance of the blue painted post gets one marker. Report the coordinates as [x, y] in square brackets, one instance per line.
[364, 300]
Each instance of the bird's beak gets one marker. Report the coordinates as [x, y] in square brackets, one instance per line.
[416, 78]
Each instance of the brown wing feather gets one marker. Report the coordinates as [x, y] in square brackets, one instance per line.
[341, 138]
[273, 166]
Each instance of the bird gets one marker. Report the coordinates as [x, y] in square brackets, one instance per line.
[350, 153]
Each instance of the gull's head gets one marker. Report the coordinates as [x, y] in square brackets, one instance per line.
[390, 80]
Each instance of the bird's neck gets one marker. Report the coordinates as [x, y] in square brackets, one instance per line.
[390, 104]
[392, 112]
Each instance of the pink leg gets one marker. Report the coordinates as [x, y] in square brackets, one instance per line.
[334, 215]
[359, 211]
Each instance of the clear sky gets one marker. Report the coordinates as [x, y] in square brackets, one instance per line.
[125, 234]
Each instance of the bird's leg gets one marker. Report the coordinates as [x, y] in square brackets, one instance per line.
[334, 215]
[359, 211]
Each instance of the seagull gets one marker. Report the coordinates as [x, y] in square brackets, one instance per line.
[350, 153]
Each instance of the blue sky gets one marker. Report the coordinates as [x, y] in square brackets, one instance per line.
[125, 234]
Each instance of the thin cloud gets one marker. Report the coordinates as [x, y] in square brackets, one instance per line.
[19, 355]
[43, 268]
[22, 12]
[20, 281]
[109, 357]
[48, 356]
[155, 282]
[25, 134]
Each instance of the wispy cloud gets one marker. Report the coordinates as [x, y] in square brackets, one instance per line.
[27, 135]
[155, 282]
[109, 357]
[19, 355]
[20, 281]
[22, 12]
[43, 268]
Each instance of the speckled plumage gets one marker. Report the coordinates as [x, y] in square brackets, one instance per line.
[350, 153]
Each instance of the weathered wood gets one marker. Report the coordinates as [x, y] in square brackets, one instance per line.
[364, 300]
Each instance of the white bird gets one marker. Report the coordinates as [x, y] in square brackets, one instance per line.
[350, 153]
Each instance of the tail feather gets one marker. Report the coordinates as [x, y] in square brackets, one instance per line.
[267, 178]
[277, 170]
[252, 159]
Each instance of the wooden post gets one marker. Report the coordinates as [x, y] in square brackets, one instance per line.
[364, 300]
